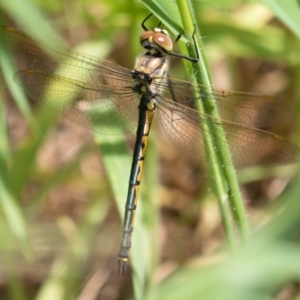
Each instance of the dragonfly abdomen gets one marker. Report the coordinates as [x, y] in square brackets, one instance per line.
[146, 112]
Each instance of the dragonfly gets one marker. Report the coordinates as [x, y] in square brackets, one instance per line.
[110, 99]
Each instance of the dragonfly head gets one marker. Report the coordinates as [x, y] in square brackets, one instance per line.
[157, 41]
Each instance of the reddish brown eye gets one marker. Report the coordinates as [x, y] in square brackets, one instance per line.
[163, 41]
[146, 35]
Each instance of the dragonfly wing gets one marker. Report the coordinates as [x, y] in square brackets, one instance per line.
[244, 108]
[248, 146]
[102, 108]
[71, 64]
[73, 83]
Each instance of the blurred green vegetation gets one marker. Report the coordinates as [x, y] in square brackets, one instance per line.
[60, 195]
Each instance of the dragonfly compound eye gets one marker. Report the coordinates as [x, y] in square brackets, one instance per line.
[163, 41]
[156, 40]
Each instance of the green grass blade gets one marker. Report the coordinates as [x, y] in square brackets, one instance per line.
[228, 173]
[257, 271]
[223, 179]
[65, 280]
[33, 22]
[9, 204]
[287, 11]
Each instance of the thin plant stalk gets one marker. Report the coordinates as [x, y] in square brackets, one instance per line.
[224, 180]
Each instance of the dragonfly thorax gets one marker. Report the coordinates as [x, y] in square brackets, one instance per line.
[157, 41]
[149, 69]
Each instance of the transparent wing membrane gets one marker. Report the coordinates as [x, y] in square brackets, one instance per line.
[245, 108]
[248, 146]
[101, 108]
[99, 95]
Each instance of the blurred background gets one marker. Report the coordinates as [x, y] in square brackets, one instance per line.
[63, 187]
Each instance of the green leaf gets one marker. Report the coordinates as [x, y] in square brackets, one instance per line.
[288, 11]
